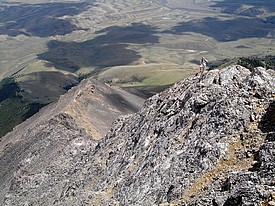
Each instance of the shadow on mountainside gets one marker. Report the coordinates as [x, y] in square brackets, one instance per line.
[40, 20]
[108, 49]
[14, 109]
[225, 30]
[245, 7]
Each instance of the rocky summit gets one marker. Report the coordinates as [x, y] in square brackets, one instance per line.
[207, 140]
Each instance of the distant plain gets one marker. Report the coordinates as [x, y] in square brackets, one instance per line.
[87, 37]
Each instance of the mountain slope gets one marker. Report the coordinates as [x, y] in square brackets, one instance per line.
[207, 140]
[81, 116]
[189, 140]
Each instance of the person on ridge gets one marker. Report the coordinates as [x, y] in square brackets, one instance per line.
[203, 64]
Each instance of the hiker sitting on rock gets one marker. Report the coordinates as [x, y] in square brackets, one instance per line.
[203, 64]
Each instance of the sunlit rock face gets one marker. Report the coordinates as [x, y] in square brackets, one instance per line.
[207, 140]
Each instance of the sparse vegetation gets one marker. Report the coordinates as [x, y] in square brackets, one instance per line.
[252, 62]
[8, 89]
[248, 62]
[13, 108]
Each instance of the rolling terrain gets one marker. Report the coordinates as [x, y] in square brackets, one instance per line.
[49, 46]
[83, 36]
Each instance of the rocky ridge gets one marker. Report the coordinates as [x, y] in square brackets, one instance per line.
[40, 155]
[207, 140]
[202, 142]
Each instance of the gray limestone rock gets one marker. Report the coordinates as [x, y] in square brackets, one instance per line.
[204, 141]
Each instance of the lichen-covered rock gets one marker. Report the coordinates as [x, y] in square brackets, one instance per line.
[188, 141]
[53, 165]
[207, 140]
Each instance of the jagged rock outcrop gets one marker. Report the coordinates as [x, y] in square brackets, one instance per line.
[207, 140]
[187, 142]
[51, 164]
